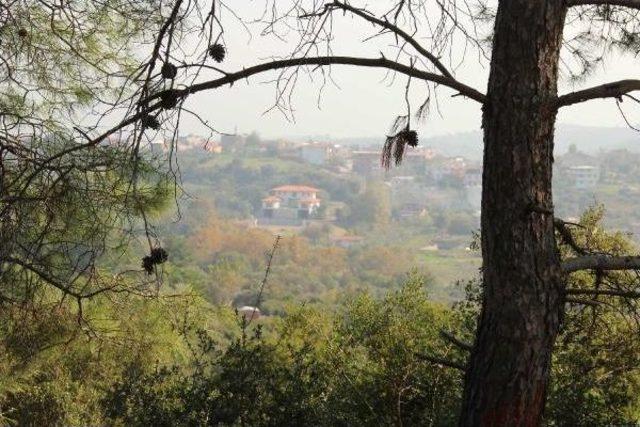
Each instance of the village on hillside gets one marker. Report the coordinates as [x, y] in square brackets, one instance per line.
[426, 182]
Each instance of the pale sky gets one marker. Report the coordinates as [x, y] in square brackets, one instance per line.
[364, 105]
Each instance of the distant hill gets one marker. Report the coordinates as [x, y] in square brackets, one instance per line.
[588, 139]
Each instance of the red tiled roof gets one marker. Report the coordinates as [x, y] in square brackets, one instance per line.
[271, 199]
[296, 189]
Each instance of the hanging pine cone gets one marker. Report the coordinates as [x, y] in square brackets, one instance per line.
[168, 99]
[217, 52]
[169, 71]
[148, 121]
[22, 33]
[395, 145]
[409, 136]
[157, 256]
[147, 264]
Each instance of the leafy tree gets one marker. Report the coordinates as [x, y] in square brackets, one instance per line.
[372, 207]
[363, 368]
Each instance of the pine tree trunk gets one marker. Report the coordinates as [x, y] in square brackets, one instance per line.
[509, 368]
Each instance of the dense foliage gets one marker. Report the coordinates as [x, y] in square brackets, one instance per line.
[372, 360]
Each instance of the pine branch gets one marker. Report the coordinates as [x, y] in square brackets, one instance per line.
[442, 362]
[448, 336]
[382, 62]
[581, 301]
[567, 236]
[608, 292]
[634, 4]
[601, 262]
[607, 90]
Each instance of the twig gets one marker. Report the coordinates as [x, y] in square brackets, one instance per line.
[266, 276]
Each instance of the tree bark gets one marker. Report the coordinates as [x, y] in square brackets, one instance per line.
[507, 376]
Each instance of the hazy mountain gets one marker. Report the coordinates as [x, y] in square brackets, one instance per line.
[589, 139]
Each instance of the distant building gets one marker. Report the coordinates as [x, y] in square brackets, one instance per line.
[213, 147]
[291, 202]
[270, 204]
[408, 197]
[440, 168]
[317, 153]
[583, 177]
[472, 177]
[366, 162]
[249, 313]
[232, 142]
[347, 241]
[581, 170]
[158, 147]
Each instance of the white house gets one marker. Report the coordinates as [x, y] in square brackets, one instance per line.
[249, 313]
[316, 153]
[291, 201]
[584, 177]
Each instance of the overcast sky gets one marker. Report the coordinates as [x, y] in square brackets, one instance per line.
[364, 104]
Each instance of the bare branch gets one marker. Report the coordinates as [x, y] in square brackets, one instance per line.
[601, 262]
[394, 29]
[441, 361]
[608, 90]
[263, 283]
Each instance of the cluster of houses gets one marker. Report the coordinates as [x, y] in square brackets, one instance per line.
[426, 179]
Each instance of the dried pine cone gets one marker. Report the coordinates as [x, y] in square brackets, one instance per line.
[217, 52]
[157, 256]
[409, 136]
[147, 264]
[149, 121]
[168, 70]
[168, 99]
[395, 145]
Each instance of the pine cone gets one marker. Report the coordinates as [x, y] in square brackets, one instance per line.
[169, 71]
[217, 52]
[149, 121]
[147, 264]
[159, 255]
[168, 99]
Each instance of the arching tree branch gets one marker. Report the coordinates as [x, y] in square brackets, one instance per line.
[608, 90]
[391, 27]
[385, 63]
[601, 262]
[231, 78]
